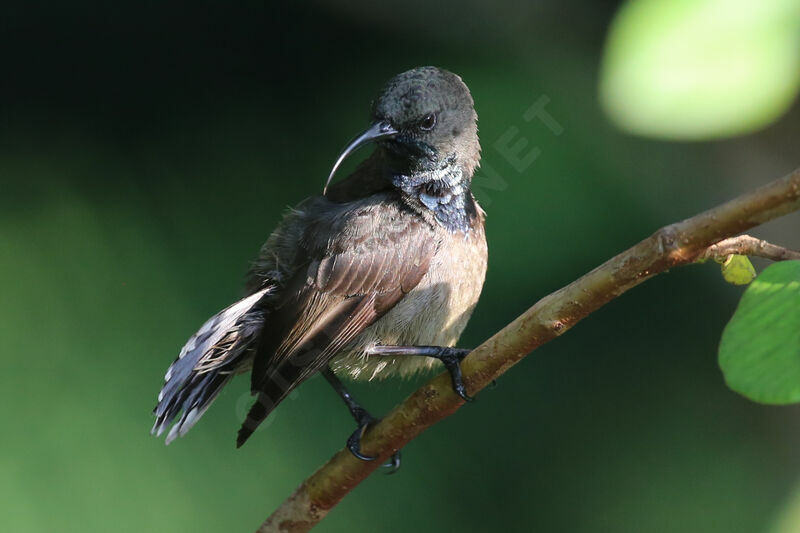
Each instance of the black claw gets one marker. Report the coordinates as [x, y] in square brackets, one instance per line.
[363, 419]
[394, 463]
[452, 360]
[461, 391]
[354, 443]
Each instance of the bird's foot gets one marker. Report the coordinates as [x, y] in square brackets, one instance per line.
[364, 420]
[451, 358]
[393, 464]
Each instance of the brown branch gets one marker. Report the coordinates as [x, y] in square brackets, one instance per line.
[677, 244]
[747, 245]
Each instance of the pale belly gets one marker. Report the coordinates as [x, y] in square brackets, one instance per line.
[434, 313]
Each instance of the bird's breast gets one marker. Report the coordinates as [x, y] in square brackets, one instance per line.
[435, 312]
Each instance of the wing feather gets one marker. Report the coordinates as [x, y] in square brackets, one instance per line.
[343, 291]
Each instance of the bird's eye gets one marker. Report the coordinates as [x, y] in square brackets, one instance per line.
[428, 123]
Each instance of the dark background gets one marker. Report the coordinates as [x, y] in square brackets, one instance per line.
[145, 154]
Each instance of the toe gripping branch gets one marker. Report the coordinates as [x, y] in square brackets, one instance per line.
[451, 359]
[363, 420]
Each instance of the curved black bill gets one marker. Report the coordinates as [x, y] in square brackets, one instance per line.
[379, 130]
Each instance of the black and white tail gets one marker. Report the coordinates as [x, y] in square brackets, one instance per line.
[221, 348]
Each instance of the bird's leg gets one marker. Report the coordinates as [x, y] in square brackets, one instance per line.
[363, 419]
[450, 357]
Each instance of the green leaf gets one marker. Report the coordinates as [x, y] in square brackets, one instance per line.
[738, 269]
[760, 348]
[701, 69]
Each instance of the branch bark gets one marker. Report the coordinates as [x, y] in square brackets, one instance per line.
[674, 245]
[747, 245]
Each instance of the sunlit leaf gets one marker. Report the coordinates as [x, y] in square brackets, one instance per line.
[760, 348]
[699, 69]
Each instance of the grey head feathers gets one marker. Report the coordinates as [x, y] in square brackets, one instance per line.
[434, 113]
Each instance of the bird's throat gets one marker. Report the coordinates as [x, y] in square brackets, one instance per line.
[443, 191]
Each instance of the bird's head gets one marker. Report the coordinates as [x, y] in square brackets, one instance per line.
[423, 120]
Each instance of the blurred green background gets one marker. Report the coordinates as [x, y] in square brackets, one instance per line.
[147, 151]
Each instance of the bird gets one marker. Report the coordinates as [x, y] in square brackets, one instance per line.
[375, 277]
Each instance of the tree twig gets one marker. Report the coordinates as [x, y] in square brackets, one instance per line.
[747, 245]
[674, 245]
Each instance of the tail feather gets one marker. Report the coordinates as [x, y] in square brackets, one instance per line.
[265, 403]
[281, 382]
[201, 393]
[257, 414]
[220, 348]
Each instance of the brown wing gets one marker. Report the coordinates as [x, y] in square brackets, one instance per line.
[325, 306]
